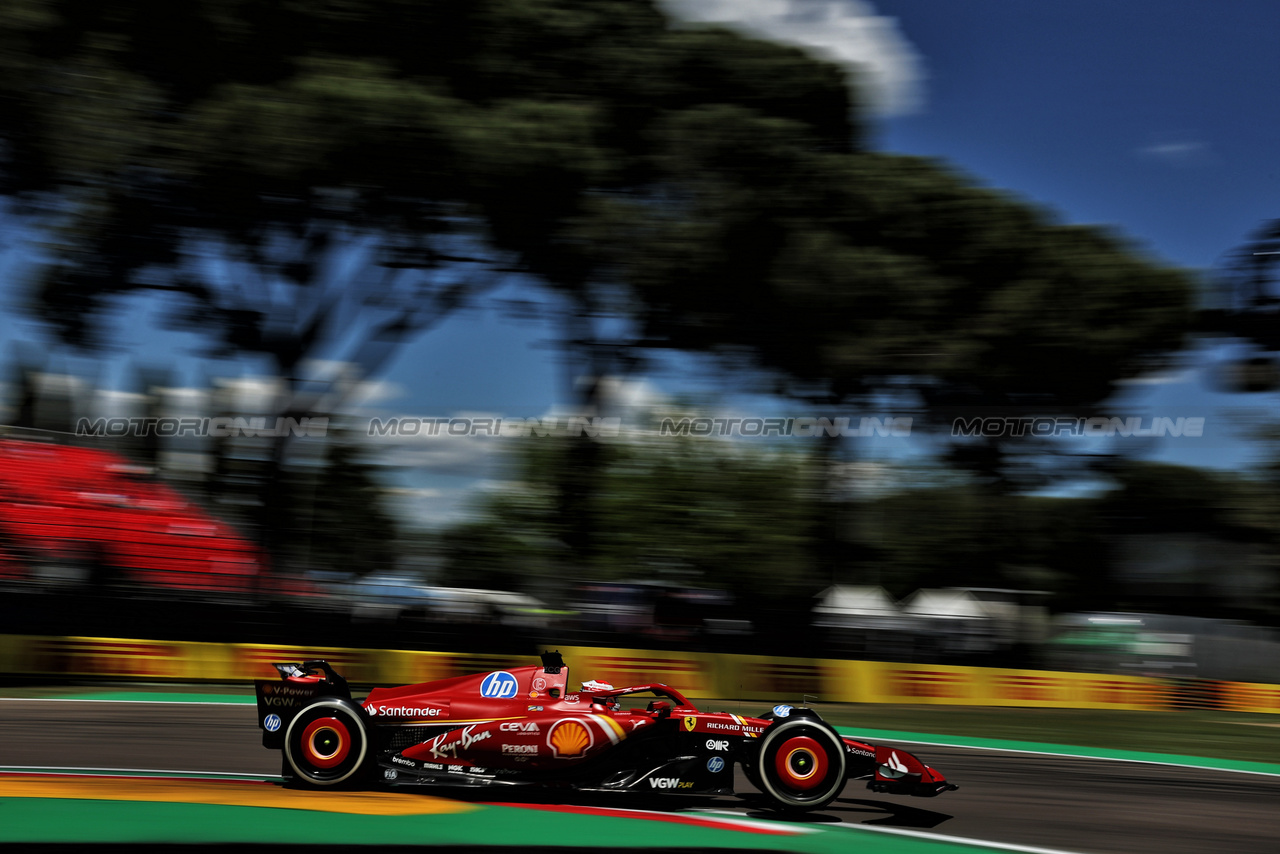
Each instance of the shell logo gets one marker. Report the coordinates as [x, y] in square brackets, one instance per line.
[569, 739]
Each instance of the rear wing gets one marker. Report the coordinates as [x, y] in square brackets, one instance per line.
[280, 701]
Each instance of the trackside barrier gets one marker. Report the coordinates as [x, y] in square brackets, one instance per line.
[702, 675]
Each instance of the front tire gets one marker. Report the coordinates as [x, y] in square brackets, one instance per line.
[327, 743]
[801, 764]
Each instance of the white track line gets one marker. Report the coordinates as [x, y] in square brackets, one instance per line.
[143, 702]
[938, 837]
[60, 771]
[1087, 756]
[956, 840]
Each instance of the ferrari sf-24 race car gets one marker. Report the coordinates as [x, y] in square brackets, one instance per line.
[524, 727]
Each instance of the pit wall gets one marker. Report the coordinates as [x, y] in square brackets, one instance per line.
[701, 675]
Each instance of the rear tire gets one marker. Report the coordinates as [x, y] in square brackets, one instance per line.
[801, 765]
[327, 743]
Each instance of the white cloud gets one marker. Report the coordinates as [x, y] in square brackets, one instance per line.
[442, 453]
[244, 394]
[622, 397]
[412, 493]
[847, 31]
[437, 508]
[1179, 152]
[1169, 378]
[370, 392]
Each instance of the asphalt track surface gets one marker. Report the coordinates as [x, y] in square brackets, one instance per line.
[1060, 803]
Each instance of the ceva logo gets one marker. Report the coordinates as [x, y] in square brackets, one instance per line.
[498, 685]
[518, 726]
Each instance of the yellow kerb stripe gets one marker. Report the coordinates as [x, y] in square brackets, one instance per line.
[224, 793]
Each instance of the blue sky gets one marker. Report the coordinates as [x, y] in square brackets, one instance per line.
[1158, 118]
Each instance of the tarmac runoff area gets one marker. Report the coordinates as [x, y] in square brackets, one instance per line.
[190, 769]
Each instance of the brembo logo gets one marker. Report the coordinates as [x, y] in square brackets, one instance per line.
[400, 760]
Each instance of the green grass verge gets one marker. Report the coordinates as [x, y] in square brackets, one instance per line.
[1222, 735]
[38, 820]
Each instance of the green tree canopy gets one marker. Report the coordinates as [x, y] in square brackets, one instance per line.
[689, 510]
[270, 133]
[719, 180]
[717, 188]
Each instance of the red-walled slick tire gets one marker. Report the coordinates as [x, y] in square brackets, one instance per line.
[327, 742]
[801, 764]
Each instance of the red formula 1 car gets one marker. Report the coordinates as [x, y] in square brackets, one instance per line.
[524, 727]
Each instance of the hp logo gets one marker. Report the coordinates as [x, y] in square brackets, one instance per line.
[498, 685]
[715, 764]
[271, 723]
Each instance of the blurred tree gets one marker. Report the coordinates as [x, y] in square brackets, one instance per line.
[690, 511]
[1246, 306]
[1165, 538]
[966, 534]
[269, 135]
[302, 177]
[838, 279]
[338, 514]
[1188, 540]
[326, 181]
[846, 275]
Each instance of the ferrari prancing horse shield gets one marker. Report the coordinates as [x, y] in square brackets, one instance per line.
[689, 721]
